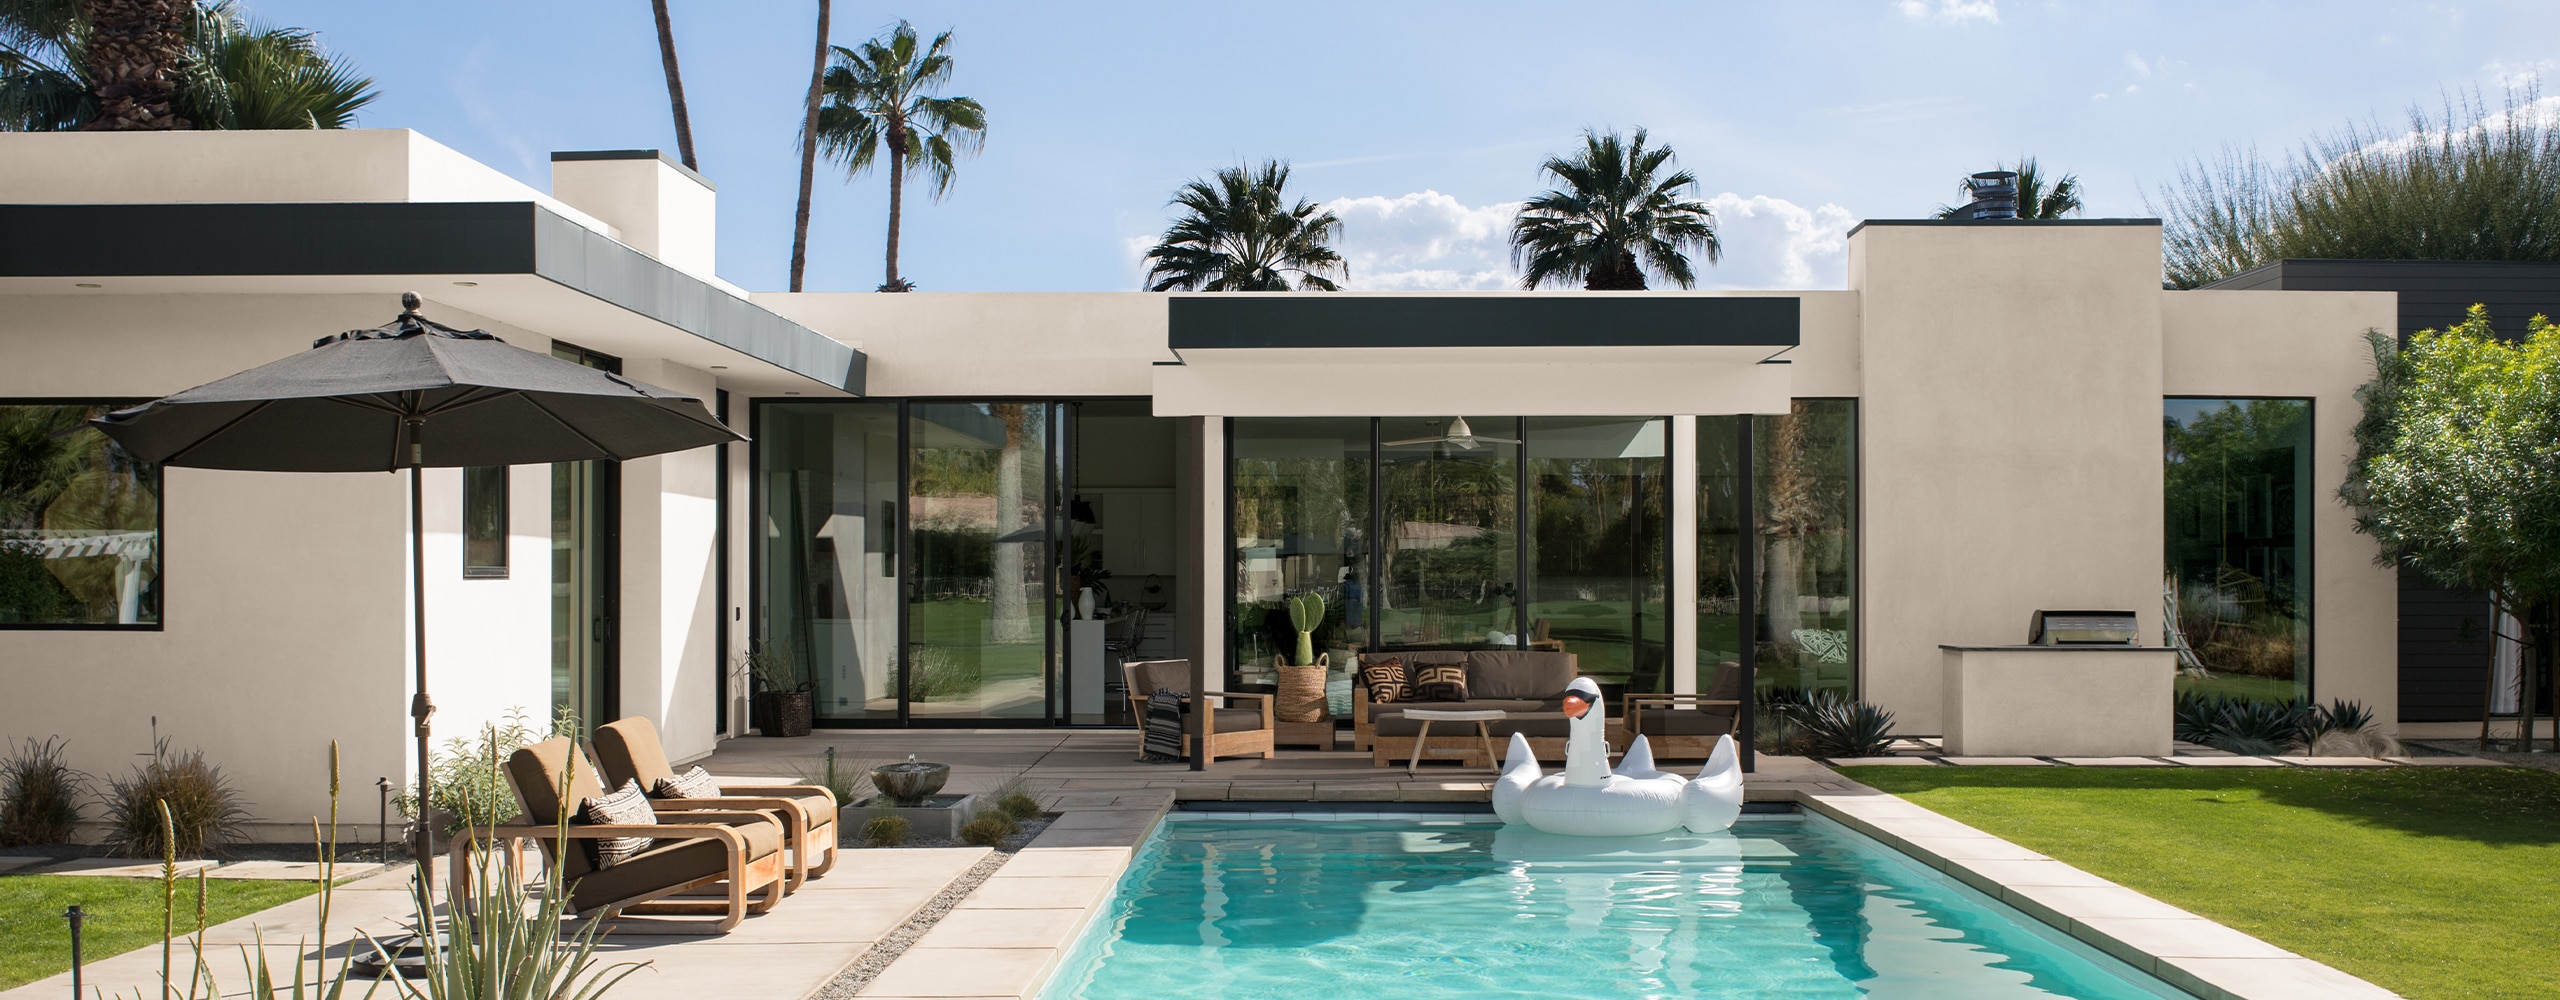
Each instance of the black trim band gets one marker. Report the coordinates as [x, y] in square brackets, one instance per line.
[1208, 322]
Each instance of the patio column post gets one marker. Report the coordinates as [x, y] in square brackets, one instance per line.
[1203, 592]
[1682, 607]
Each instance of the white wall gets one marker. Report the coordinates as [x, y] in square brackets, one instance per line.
[992, 344]
[669, 601]
[2307, 345]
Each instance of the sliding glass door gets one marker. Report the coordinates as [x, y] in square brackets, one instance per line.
[980, 519]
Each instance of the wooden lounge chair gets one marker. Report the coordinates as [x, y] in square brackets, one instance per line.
[739, 851]
[1685, 726]
[629, 750]
[1227, 730]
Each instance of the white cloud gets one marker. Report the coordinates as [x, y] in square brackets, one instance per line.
[1775, 243]
[2517, 76]
[2133, 61]
[1950, 11]
[1425, 241]
[2541, 113]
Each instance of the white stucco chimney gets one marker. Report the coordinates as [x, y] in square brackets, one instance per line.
[663, 209]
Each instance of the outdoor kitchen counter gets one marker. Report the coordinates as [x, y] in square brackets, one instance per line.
[2058, 701]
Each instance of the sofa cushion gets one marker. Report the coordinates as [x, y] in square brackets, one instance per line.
[1685, 721]
[1386, 680]
[1518, 673]
[1441, 682]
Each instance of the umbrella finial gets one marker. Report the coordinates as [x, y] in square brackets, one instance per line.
[409, 303]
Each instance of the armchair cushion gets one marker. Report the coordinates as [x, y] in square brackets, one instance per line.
[1513, 673]
[1441, 682]
[625, 806]
[672, 861]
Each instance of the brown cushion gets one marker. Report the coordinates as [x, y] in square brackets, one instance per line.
[677, 862]
[624, 806]
[1518, 673]
[1145, 676]
[1715, 721]
[1441, 682]
[1237, 720]
[628, 750]
[1386, 680]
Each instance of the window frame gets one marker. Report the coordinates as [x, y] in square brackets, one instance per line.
[159, 516]
[506, 523]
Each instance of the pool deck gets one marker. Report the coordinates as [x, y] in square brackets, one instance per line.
[1006, 937]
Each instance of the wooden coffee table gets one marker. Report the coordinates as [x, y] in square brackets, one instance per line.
[1479, 716]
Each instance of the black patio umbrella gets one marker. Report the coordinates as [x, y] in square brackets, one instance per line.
[409, 394]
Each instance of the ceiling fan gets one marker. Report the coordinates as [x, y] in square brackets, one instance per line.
[1461, 436]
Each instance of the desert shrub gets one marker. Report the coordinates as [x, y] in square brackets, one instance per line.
[885, 831]
[1777, 727]
[471, 772]
[989, 828]
[204, 810]
[2261, 728]
[844, 782]
[39, 795]
[1837, 726]
[1014, 798]
[938, 673]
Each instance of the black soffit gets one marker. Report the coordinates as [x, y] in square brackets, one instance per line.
[406, 238]
[1322, 320]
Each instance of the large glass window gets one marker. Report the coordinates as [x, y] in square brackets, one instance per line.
[1803, 571]
[2238, 499]
[829, 561]
[1596, 569]
[978, 614]
[484, 522]
[79, 522]
[1302, 514]
[1452, 542]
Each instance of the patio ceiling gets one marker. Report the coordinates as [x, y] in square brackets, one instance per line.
[513, 262]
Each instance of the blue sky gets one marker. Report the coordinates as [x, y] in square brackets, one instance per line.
[1421, 124]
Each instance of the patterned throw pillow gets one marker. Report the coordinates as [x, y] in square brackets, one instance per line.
[693, 784]
[1386, 681]
[1441, 682]
[625, 806]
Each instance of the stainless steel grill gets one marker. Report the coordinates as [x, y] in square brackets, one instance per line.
[2083, 628]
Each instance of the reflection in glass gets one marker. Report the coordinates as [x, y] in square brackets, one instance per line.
[79, 522]
[1301, 509]
[1451, 551]
[1596, 585]
[1804, 472]
[484, 522]
[2235, 501]
[978, 613]
[829, 531]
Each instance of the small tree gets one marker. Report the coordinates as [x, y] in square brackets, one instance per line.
[2456, 472]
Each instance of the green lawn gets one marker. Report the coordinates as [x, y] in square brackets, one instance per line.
[123, 914]
[2242, 685]
[2432, 882]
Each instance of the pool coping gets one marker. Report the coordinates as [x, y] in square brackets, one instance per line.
[1051, 890]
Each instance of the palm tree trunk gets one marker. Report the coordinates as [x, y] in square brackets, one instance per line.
[135, 50]
[675, 85]
[897, 191]
[808, 155]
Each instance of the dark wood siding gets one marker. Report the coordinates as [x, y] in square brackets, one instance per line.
[2444, 635]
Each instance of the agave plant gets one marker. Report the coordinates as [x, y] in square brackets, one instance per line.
[1834, 725]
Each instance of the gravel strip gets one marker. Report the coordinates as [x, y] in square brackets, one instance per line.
[851, 981]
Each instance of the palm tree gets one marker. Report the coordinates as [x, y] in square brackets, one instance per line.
[675, 84]
[881, 95]
[1236, 236]
[1617, 205]
[237, 74]
[134, 54]
[808, 153]
[2035, 200]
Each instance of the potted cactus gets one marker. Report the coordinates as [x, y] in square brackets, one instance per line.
[1301, 697]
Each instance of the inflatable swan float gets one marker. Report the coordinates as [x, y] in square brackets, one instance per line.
[1590, 800]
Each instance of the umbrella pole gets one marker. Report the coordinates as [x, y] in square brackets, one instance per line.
[419, 705]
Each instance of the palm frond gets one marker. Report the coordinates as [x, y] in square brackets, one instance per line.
[1238, 232]
[1615, 213]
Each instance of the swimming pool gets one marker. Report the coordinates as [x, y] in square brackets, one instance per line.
[1414, 908]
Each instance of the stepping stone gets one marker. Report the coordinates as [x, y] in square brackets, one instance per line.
[293, 871]
[2226, 761]
[2334, 761]
[1998, 761]
[123, 868]
[1885, 761]
[2449, 762]
[14, 862]
[2112, 761]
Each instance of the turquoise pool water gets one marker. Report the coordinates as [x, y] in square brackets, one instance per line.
[1418, 909]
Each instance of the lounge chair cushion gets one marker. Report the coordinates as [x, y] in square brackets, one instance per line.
[694, 783]
[1238, 720]
[625, 806]
[1441, 682]
[1518, 673]
[676, 862]
[1686, 722]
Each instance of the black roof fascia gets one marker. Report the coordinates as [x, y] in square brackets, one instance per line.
[406, 238]
[2433, 293]
[1319, 320]
[1853, 230]
[659, 155]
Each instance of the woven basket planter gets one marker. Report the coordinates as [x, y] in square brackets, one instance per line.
[1301, 696]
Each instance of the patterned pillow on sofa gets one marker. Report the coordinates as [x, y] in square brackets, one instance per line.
[1441, 682]
[1386, 681]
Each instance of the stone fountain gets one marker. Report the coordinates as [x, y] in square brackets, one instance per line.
[910, 790]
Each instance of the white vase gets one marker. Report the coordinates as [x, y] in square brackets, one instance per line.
[1084, 602]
